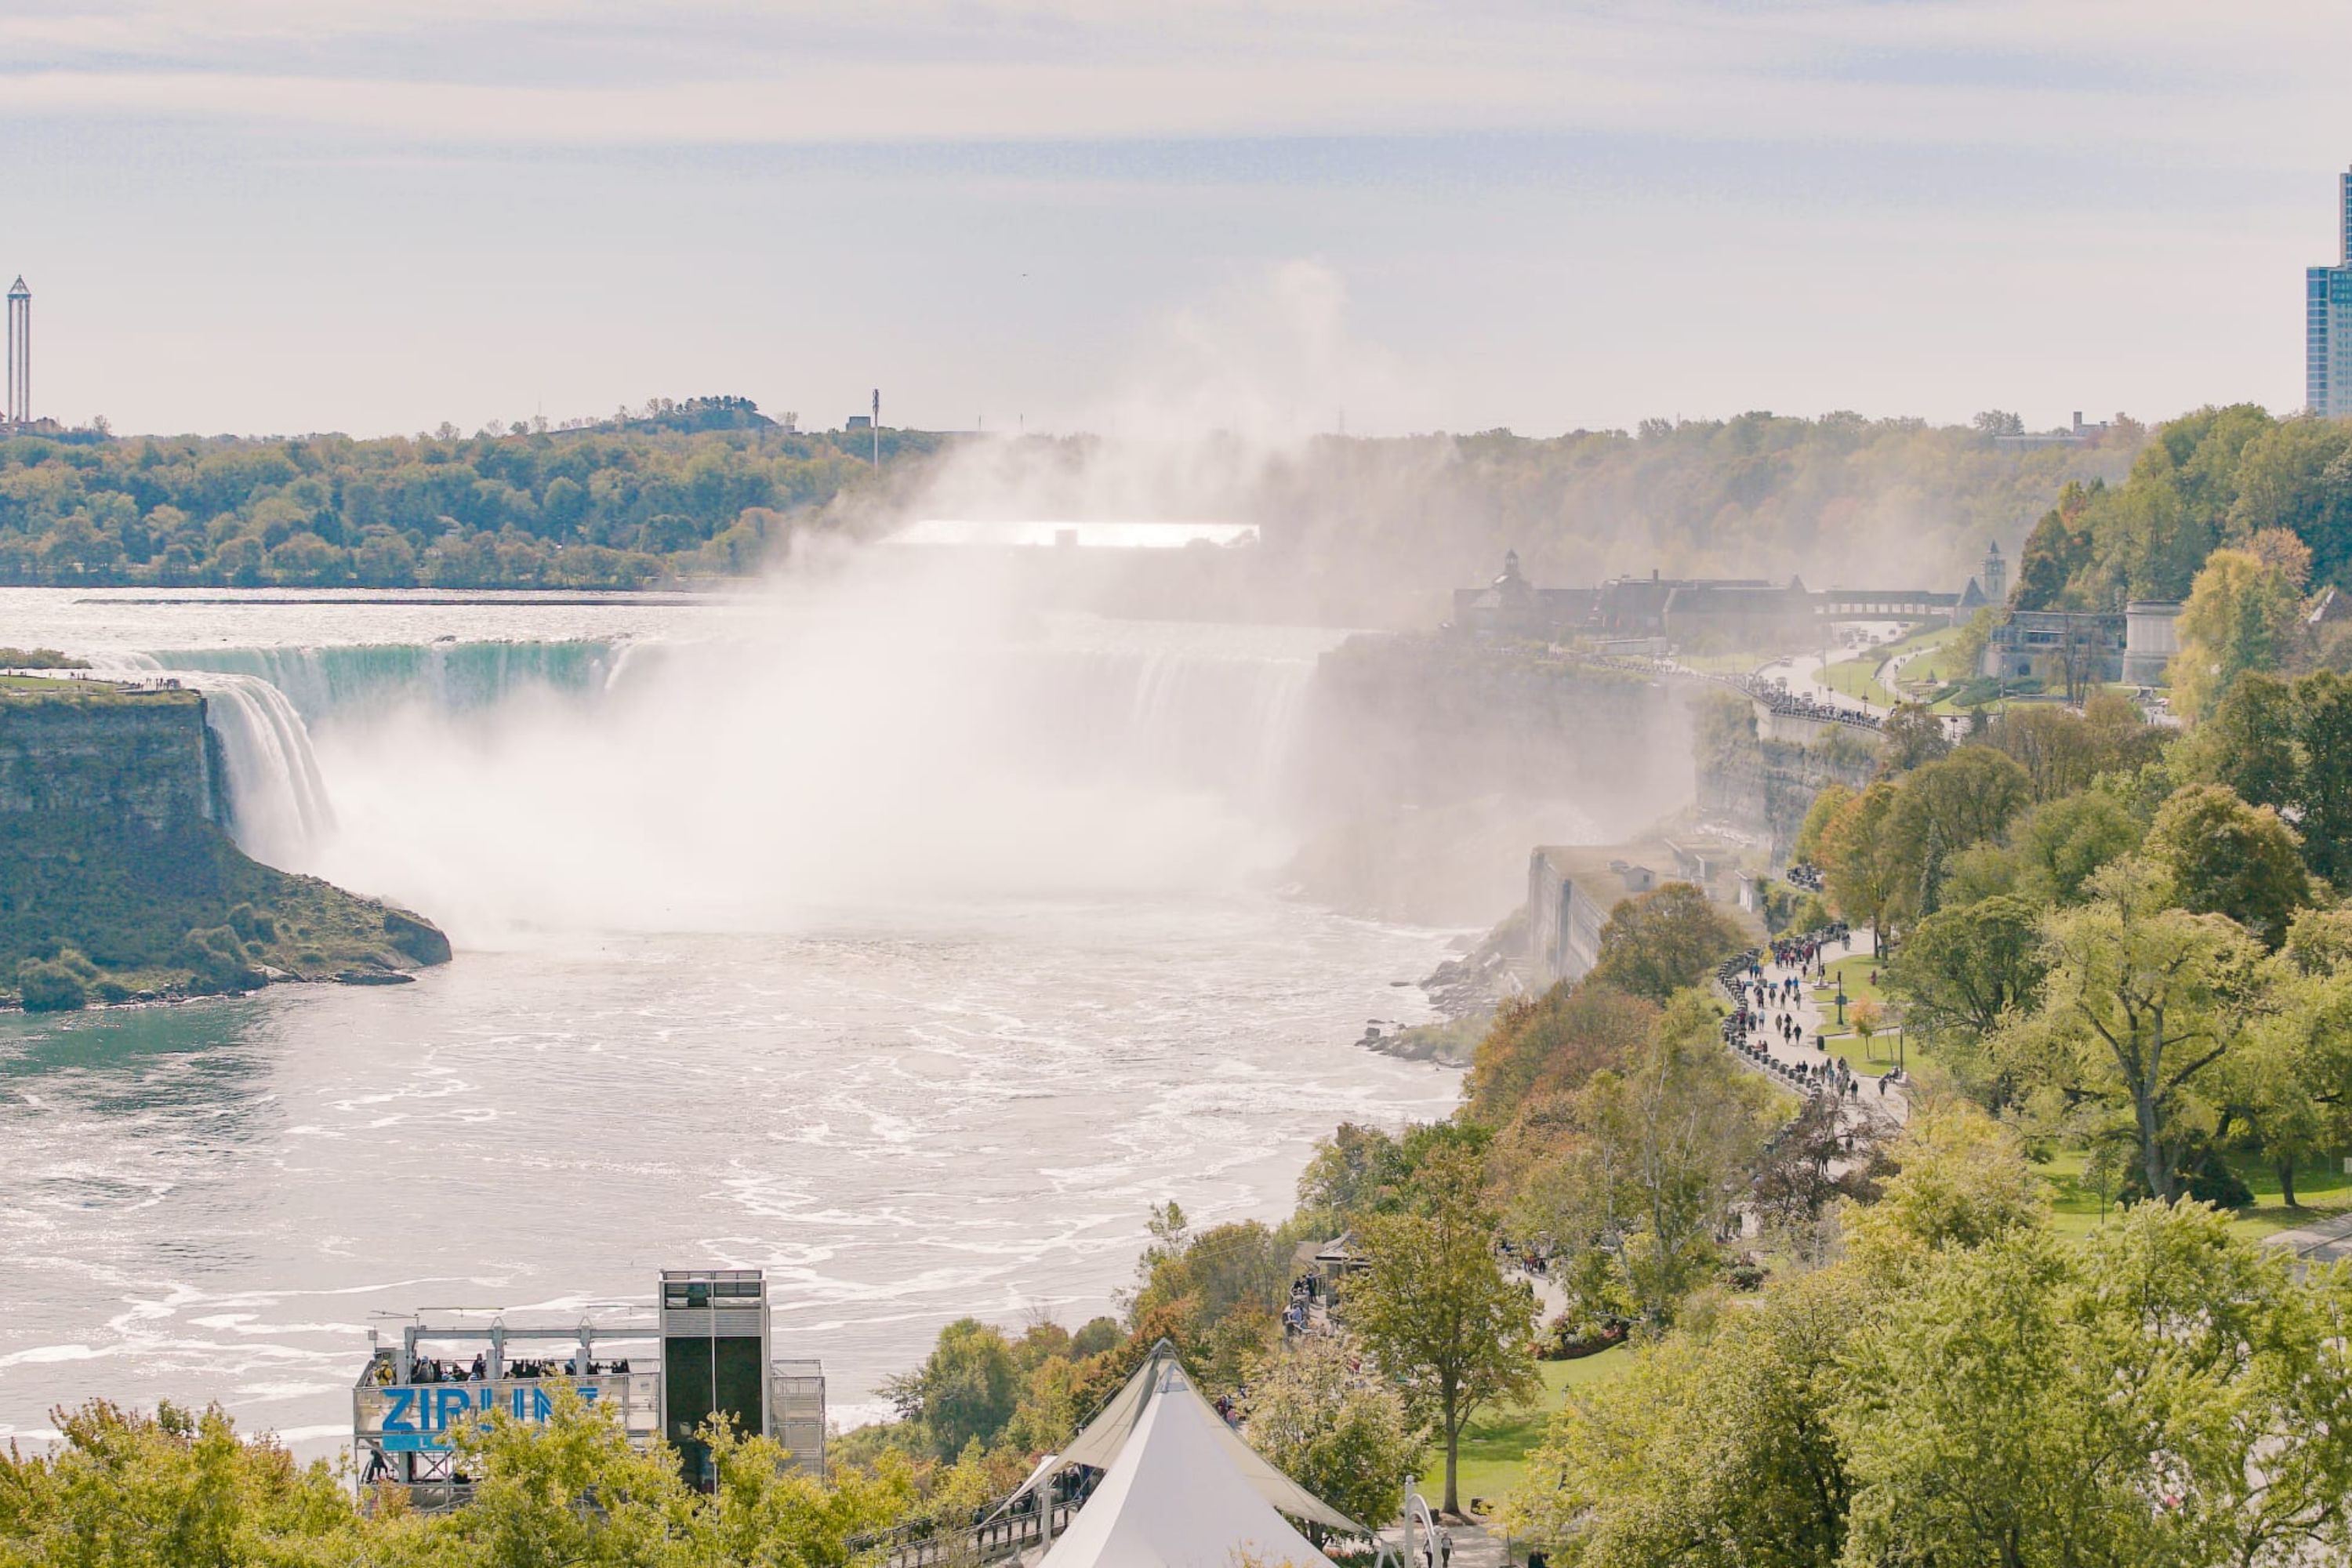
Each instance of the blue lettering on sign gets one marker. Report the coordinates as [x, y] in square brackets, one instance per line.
[416, 1419]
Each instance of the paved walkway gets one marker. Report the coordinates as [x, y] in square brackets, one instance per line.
[2323, 1241]
[1815, 1008]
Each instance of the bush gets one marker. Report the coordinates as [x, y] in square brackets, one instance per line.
[50, 987]
[2207, 1179]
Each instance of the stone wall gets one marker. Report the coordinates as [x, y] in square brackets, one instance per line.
[136, 758]
[1764, 785]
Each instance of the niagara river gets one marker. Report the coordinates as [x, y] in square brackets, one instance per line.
[908, 952]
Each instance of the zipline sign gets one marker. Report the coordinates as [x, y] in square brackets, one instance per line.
[419, 1417]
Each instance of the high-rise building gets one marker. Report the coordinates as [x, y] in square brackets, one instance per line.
[2327, 319]
[20, 353]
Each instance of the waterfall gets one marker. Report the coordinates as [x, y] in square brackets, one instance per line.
[1224, 724]
[278, 802]
[345, 680]
[278, 808]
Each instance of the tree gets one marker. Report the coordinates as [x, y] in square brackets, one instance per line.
[2143, 998]
[2240, 618]
[1343, 1436]
[1665, 1149]
[162, 1490]
[2157, 1393]
[1720, 1448]
[1829, 800]
[1998, 422]
[1552, 1044]
[2227, 857]
[2249, 741]
[1964, 967]
[1867, 870]
[966, 1391]
[1436, 1309]
[1912, 735]
[2322, 711]
[1712, 1451]
[1656, 943]
[2061, 842]
[1355, 1171]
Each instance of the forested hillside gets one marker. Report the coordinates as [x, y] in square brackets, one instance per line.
[2213, 478]
[706, 487]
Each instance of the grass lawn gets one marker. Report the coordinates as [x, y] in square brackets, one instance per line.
[1874, 1059]
[1725, 663]
[1854, 971]
[1494, 1444]
[1938, 664]
[1858, 679]
[2322, 1187]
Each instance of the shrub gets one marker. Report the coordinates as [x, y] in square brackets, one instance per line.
[50, 987]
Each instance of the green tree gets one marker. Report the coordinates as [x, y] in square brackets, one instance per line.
[1867, 872]
[1436, 1309]
[2159, 1392]
[966, 1390]
[1911, 737]
[1658, 1153]
[2227, 858]
[2323, 797]
[1657, 943]
[2240, 618]
[2142, 1000]
[1343, 1436]
[1964, 967]
[177, 1488]
[2061, 842]
[2249, 742]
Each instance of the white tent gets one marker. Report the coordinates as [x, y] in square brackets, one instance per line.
[1174, 1496]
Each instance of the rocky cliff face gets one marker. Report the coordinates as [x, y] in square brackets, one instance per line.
[118, 883]
[144, 758]
[1765, 787]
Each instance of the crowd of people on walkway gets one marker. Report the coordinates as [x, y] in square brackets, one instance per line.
[1766, 1006]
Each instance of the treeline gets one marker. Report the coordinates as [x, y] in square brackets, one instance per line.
[1841, 500]
[706, 487]
[703, 487]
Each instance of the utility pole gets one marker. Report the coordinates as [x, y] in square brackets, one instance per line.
[877, 426]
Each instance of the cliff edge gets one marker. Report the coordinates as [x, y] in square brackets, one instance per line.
[118, 882]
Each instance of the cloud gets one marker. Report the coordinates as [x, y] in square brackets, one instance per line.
[2163, 75]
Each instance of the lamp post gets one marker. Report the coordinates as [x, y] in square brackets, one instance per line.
[1841, 1000]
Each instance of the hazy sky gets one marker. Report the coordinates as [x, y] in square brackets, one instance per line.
[297, 214]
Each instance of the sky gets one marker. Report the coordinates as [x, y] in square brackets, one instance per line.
[285, 216]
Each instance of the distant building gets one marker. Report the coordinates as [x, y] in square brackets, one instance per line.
[2082, 433]
[2327, 321]
[1994, 575]
[1726, 612]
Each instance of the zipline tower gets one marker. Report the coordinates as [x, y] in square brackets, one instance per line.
[20, 355]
